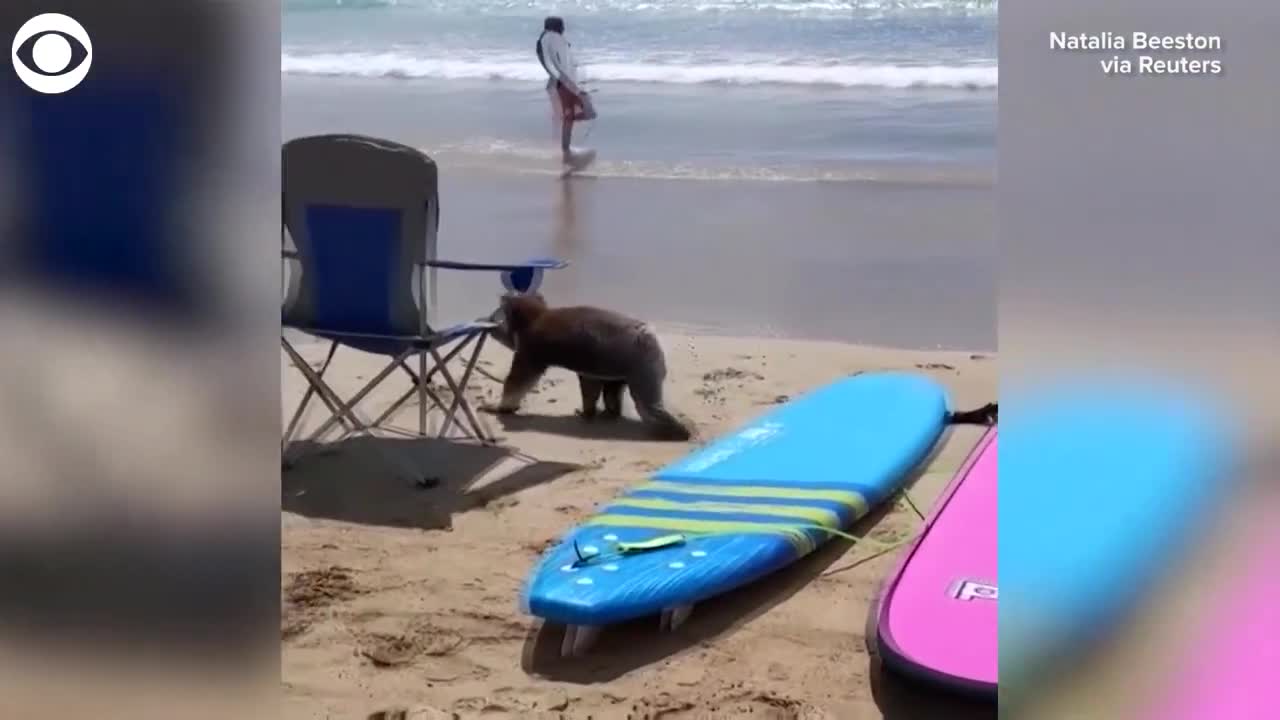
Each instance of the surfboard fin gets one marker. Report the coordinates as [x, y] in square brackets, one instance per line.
[673, 618]
[583, 557]
[578, 640]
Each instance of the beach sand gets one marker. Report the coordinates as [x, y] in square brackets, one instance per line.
[400, 596]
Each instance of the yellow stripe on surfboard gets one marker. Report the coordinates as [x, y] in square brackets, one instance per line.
[798, 537]
[820, 516]
[848, 498]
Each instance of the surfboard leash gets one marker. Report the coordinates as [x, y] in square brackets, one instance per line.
[988, 414]
[912, 504]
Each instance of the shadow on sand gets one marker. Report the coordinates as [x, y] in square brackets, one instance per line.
[622, 428]
[900, 698]
[406, 483]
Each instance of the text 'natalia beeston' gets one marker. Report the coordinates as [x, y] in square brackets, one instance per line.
[1143, 42]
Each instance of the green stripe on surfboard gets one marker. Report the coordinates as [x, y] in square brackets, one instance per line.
[803, 543]
[820, 516]
[848, 498]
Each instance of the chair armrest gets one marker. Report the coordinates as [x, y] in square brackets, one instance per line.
[538, 264]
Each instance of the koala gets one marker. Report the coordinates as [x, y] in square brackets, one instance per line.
[608, 351]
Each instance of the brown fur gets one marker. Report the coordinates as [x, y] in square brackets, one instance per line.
[608, 351]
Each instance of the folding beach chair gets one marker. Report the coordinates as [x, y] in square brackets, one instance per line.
[362, 214]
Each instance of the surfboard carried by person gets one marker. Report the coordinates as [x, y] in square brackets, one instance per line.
[569, 100]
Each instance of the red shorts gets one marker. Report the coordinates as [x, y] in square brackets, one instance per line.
[572, 107]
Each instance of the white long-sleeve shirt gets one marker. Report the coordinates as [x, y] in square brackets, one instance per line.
[559, 60]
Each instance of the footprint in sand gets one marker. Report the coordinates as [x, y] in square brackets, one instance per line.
[318, 588]
[508, 703]
[730, 373]
[389, 651]
[434, 657]
[307, 592]
[422, 713]
[759, 705]
[395, 650]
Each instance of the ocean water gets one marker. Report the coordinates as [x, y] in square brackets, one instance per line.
[763, 89]
[803, 168]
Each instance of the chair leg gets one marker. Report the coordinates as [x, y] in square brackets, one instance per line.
[459, 347]
[316, 383]
[460, 401]
[344, 413]
[477, 423]
[397, 461]
[317, 386]
[414, 390]
[300, 412]
[346, 407]
[394, 407]
[422, 393]
[482, 430]
[422, 387]
[409, 394]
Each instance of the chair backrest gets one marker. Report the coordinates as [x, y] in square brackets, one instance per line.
[362, 214]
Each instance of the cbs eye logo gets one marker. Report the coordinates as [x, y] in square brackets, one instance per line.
[52, 53]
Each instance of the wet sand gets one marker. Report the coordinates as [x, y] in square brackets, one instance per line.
[887, 264]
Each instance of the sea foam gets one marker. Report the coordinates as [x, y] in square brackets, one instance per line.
[816, 73]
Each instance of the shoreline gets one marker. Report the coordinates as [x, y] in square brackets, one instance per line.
[903, 175]
[940, 93]
[845, 129]
[682, 332]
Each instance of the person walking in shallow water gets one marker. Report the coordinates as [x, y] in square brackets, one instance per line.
[569, 101]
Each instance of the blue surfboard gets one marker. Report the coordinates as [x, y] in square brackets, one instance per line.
[743, 506]
[1105, 481]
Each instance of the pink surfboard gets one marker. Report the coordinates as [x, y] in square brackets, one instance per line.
[937, 617]
[1231, 671]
